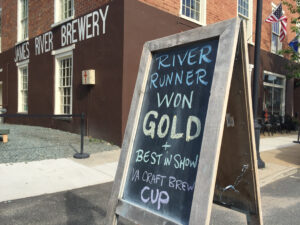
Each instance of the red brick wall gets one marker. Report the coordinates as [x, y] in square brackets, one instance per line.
[41, 16]
[228, 9]
[217, 11]
[84, 6]
[170, 6]
[9, 24]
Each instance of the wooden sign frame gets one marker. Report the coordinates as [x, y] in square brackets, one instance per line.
[231, 59]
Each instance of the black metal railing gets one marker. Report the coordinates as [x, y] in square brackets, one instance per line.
[298, 136]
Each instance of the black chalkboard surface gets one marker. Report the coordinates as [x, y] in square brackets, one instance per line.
[166, 149]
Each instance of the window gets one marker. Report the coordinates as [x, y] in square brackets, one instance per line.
[274, 93]
[64, 85]
[64, 9]
[245, 8]
[22, 20]
[194, 10]
[23, 88]
[63, 80]
[67, 9]
[275, 44]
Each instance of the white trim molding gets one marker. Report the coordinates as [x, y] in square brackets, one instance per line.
[21, 97]
[22, 63]
[63, 50]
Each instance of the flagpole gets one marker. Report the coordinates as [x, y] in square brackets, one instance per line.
[255, 89]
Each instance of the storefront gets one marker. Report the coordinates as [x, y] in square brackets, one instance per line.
[44, 74]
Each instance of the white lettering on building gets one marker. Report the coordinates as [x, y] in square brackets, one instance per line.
[22, 52]
[44, 43]
[84, 28]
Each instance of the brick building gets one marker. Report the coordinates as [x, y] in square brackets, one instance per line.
[46, 46]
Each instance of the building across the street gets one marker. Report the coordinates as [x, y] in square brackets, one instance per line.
[75, 56]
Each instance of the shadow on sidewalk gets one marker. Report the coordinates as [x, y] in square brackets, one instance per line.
[289, 156]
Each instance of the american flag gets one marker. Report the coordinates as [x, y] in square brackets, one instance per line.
[277, 16]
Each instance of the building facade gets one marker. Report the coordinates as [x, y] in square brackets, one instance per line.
[51, 49]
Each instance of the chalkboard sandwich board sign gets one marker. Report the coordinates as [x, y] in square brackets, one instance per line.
[167, 172]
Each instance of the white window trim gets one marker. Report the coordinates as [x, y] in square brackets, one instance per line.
[62, 22]
[63, 50]
[20, 39]
[23, 63]
[251, 67]
[249, 30]
[21, 66]
[57, 14]
[202, 14]
[59, 55]
[283, 86]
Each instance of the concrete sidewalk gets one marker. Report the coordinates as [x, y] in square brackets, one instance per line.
[21, 180]
[282, 158]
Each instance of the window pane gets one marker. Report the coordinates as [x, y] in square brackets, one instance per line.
[65, 85]
[277, 100]
[274, 44]
[273, 94]
[268, 98]
[188, 12]
[191, 8]
[243, 8]
[23, 22]
[67, 8]
[275, 28]
[192, 14]
[23, 89]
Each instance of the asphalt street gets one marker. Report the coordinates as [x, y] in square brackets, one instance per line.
[87, 206]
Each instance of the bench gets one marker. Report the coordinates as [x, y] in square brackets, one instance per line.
[4, 133]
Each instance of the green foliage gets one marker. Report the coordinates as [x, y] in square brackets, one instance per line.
[98, 141]
[95, 140]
